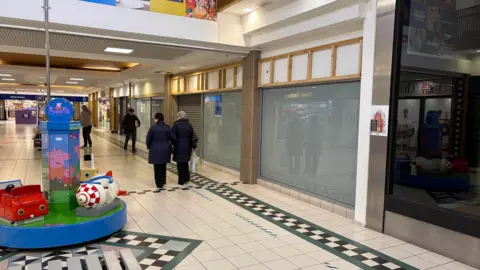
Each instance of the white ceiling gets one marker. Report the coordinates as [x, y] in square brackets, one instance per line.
[238, 8]
[152, 59]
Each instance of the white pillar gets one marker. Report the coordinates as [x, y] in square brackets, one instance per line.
[366, 85]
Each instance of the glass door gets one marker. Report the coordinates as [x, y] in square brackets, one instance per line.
[157, 107]
[143, 112]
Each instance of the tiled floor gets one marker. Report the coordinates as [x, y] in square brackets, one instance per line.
[239, 226]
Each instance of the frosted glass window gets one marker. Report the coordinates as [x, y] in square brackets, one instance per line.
[265, 69]
[239, 76]
[309, 138]
[229, 73]
[222, 124]
[348, 59]
[181, 88]
[213, 82]
[192, 83]
[281, 70]
[299, 67]
[322, 64]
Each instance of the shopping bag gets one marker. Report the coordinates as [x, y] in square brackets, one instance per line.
[193, 162]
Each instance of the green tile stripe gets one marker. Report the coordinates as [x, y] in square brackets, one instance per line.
[226, 193]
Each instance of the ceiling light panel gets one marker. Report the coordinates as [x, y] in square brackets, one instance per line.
[76, 79]
[118, 50]
[72, 82]
[8, 79]
[5, 75]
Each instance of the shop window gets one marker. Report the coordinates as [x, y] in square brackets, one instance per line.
[309, 139]
[436, 142]
[222, 128]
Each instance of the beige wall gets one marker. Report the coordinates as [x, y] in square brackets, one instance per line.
[151, 87]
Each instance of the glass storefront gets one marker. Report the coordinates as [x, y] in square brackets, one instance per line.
[103, 113]
[435, 147]
[157, 107]
[222, 128]
[143, 111]
[309, 138]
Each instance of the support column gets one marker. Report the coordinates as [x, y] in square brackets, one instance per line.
[113, 124]
[169, 102]
[250, 138]
[379, 152]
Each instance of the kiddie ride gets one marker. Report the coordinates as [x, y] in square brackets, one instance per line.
[64, 211]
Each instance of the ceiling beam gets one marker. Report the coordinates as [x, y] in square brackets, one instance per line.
[223, 4]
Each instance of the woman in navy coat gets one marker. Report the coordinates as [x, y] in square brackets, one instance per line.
[160, 149]
[184, 141]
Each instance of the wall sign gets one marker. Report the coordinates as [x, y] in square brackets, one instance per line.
[426, 88]
[41, 97]
[379, 121]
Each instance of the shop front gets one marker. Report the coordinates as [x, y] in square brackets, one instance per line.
[309, 139]
[29, 109]
[431, 142]
[142, 109]
[103, 113]
[222, 128]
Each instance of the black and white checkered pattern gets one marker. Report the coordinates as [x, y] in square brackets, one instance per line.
[314, 233]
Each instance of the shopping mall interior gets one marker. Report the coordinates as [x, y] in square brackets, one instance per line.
[332, 134]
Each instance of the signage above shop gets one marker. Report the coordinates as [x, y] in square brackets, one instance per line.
[41, 97]
[426, 88]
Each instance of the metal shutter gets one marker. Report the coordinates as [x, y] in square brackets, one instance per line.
[192, 105]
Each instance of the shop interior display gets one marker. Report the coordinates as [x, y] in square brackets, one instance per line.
[432, 167]
[58, 198]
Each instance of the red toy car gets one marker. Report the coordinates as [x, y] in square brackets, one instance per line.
[20, 204]
[459, 165]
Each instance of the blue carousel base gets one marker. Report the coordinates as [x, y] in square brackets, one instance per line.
[62, 235]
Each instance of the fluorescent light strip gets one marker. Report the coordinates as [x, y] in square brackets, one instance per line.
[247, 10]
[118, 50]
[5, 75]
[8, 79]
[72, 82]
[76, 79]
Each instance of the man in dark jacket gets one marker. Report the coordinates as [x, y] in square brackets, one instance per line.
[184, 141]
[160, 149]
[130, 124]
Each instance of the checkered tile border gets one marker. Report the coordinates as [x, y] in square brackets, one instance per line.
[356, 253]
[158, 252]
[187, 187]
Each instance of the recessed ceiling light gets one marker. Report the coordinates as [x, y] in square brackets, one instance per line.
[478, 50]
[247, 10]
[76, 79]
[8, 79]
[182, 67]
[118, 50]
[72, 82]
[5, 75]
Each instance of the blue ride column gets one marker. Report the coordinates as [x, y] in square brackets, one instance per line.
[61, 155]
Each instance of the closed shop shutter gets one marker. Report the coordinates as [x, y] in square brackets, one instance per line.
[192, 105]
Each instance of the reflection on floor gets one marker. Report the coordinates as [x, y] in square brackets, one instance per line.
[237, 226]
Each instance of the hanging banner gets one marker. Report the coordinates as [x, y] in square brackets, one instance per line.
[198, 9]
[432, 28]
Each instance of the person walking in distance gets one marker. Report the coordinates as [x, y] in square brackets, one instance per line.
[159, 149]
[184, 142]
[86, 122]
[130, 124]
